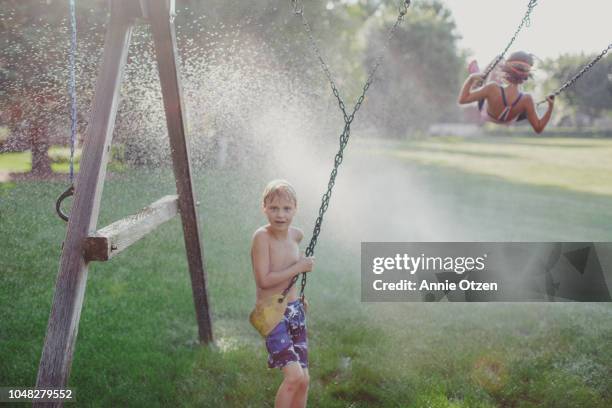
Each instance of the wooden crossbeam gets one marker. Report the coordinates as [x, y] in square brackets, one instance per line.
[118, 236]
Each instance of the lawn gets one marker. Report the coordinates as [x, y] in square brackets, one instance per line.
[21, 162]
[574, 164]
[16, 162]
[136, 341]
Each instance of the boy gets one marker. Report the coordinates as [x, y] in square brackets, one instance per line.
[276, 259]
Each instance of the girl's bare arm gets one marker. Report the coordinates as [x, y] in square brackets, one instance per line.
[538, 124]
[469, 95]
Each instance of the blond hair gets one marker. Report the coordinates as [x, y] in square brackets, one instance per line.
[279, 188]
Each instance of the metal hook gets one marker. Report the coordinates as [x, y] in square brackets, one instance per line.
[58, 204]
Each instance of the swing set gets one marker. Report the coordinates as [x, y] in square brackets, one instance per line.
[81, 246]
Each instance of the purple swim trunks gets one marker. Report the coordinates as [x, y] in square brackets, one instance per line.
[287, 342]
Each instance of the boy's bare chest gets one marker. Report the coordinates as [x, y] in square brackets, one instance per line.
[283, 254]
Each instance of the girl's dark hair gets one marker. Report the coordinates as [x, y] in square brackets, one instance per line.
[517, 68]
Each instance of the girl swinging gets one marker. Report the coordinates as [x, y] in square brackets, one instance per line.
[506, 104]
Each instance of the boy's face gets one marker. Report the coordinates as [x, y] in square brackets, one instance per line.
[280, 210]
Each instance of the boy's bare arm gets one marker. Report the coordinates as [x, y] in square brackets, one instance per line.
[299, 235]
[260, 256]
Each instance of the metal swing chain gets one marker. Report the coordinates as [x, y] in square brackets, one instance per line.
[298, 9]
[73, 96]
[526, 21]
[584, 69]
[73, 110]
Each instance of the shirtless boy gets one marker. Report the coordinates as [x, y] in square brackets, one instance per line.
[276, 259]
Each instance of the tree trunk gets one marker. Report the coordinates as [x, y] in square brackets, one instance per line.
[41, 164]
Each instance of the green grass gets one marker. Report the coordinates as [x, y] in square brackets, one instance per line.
[21, 162]
[136, 341]
[579, 165]
[16, 162]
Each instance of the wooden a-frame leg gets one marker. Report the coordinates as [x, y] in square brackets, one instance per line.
[58, 349]
[164, 37]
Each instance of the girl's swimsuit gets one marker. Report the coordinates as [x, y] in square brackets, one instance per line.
[503, 117]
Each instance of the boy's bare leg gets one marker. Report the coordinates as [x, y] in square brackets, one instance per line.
[292, 383]
[299, 400]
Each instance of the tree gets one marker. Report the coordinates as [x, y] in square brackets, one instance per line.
[591, 95]
[232, 55]
[33, 71]
[421, 74]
